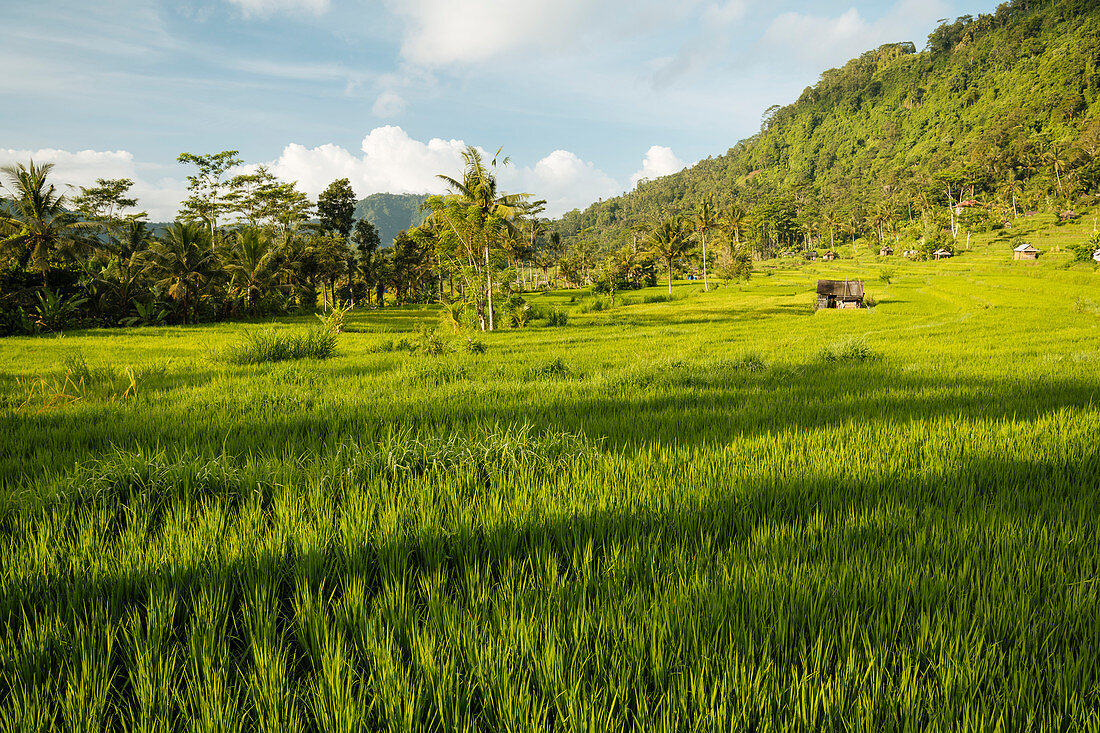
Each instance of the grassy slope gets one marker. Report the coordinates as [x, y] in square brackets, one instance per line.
[910, 538]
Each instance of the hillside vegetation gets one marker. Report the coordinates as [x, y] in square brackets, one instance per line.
[391, 213]
[1002, 109]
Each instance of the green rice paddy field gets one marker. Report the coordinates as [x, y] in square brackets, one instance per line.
[723, 512]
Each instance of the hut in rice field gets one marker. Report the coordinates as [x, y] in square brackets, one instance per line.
[942, 254]
[886, 252]
[1025, 252]
[829, 256]
[839, 294]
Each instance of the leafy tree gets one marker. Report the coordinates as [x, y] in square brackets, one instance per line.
[106, 200]
[35, 225]
[260, 199]
[411, 265]
[208, 188]
[365, 237]
[336, 208]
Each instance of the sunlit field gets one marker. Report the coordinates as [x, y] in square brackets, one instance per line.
[718, 512]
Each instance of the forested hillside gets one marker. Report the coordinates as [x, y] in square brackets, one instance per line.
[998, 110]
[391, 213]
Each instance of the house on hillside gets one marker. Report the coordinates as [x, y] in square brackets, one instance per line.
[886, 252]
[942, 254]
[839, 294]
[829, 256]
[1025, 252]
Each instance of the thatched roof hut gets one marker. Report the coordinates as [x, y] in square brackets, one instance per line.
[829, 256]
[886, 251]
[942, 254]
[839, 293]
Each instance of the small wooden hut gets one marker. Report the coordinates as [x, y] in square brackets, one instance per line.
[943, 254]
[886, 252]
[829, 256]
[1025, 252]
[811, 255]
[839, 294]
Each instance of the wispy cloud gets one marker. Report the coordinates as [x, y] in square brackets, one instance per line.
[818, 40]
[265, 8]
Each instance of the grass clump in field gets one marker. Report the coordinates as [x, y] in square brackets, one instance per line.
[269, 345]
[556, 368]
[852, 349]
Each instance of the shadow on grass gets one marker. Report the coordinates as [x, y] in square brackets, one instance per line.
[673, 403]
[759, 572]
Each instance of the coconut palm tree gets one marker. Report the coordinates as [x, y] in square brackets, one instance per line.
[705, 220]
[732, 221]
[124, 245]
[35, 223]
[831, 221]
[670, 240]
[253, 264]
[183, 263]
[478, 215]
[1056, 156]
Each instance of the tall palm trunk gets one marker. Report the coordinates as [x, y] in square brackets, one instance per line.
[489, 287]
[706, 287]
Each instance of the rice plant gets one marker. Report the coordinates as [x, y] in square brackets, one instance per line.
[259, 347]
[678, 515]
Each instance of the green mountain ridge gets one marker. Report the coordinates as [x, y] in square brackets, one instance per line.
[391, 213]
[1002, 108]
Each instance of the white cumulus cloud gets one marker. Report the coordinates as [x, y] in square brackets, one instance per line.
[563, 180]
[390, 161]
[659, 161]
[158, 195]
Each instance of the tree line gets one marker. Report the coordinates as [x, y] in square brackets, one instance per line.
[250, 245]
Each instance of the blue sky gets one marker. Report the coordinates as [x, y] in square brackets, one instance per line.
[586, 97]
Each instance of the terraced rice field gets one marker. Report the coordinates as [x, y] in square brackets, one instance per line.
[723, 512]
